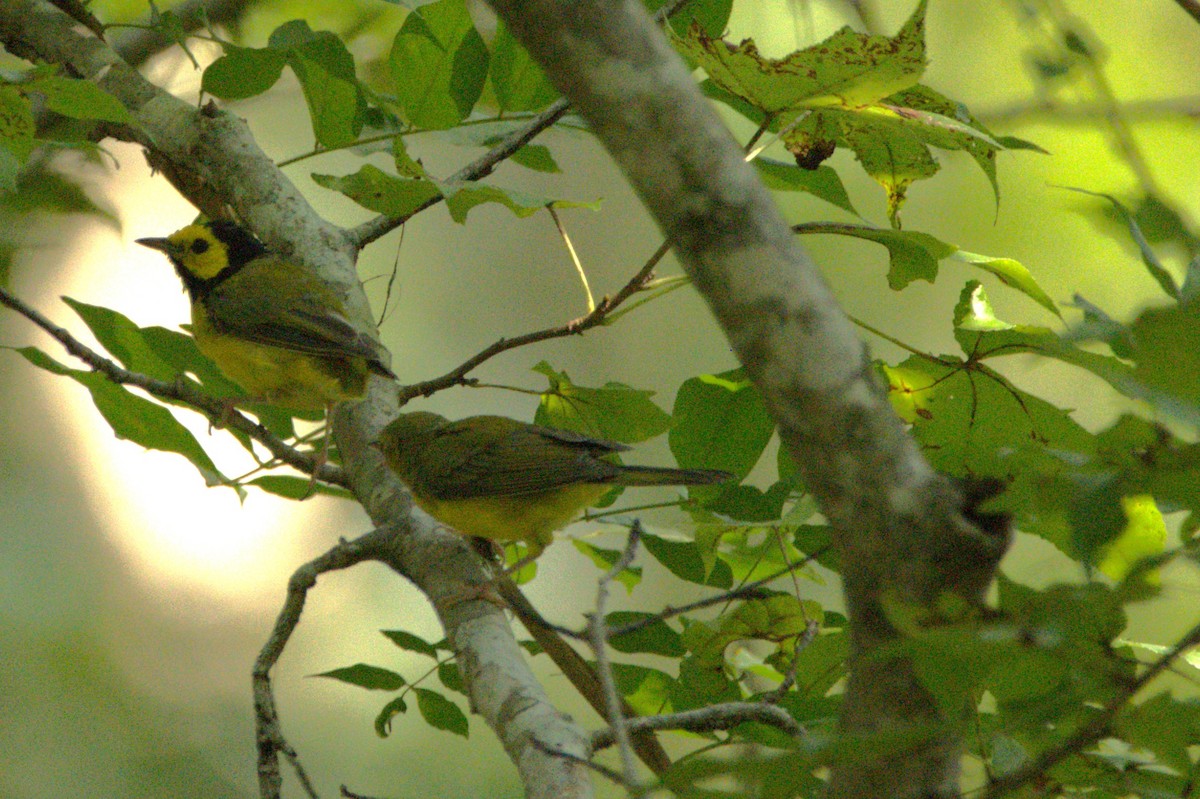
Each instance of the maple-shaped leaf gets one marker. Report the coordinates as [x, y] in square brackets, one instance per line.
[856, 91]
[847, 69]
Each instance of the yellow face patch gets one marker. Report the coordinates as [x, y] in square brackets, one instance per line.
[199, 251]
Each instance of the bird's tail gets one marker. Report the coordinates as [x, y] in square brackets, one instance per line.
[658, 476]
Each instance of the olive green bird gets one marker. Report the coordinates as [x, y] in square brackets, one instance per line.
[270, 324]
[496, 478]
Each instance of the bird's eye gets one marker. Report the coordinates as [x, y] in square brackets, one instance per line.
[199, 246]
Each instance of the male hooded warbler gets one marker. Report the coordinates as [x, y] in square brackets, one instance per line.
[497, 478]
[270, 324]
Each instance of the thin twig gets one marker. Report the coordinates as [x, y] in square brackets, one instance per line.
[181, 391]
[1096, 729]
[748, 591]
[566, 237]
[599, 642]
[268, 731]
[483, 166]
[604, 771]
[458, 375]
[709, 719]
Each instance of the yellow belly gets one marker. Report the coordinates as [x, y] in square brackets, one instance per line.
[279, 376]
[531, 518]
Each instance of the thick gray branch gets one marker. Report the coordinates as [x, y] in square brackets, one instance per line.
[899, 524]
[214, 151]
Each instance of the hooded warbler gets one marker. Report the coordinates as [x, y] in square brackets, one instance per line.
[496, 478]
[271, 325]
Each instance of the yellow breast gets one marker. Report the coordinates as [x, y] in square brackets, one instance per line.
[532, 518]
[279, 376]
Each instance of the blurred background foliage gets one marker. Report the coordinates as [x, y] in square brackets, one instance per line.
[134, 599]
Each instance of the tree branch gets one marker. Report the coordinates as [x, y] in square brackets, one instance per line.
[217, 150]
[481, 167]
[723, 716]
[182, 392]
[268, 730]
[1190, 7]
[897, 523]
[597, 316]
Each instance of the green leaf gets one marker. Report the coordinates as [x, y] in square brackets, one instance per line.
[684, 560]
[17, 127]
[848, 68]
[646, 690]
[121, 337]
[982, 335]
[779, 619]
[383, 721]
[411, 643]
[243, 72]
[297, 488]
[748, 503]
[969, 419]
[1164, 725]
[462, 197]
[702, 682]
[325, 69]
[1012, 274]
[334, 103]
[614, 412]
[914, 256]
[375, 190]
[141, 421]
[655, 639]
[720, 423]
[373, 678]
[1149, 259]
[1166, 350]
[823, 182]
[1143, 535]
[821, 663]
[1095, 515]
[440, 713]
[451, 677]
[711, 15]
[80, 99]
[605, 559]
[518, 81]
[439, 64]
[536, 157]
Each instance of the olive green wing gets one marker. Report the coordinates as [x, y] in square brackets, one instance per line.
[495, 456]
[281, 304]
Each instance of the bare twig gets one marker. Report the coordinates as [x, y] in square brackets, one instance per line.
[458, 375]
[481, 167]
[138, 45]
[598, 631]
[748, 591]
[181, 391]
[566, 237]
[1058, 112]
[269, 733]
[590, 764]
[709, 719]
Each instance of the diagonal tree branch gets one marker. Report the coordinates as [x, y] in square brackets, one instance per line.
[217, 153]
[179, 391]
[898, 524]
